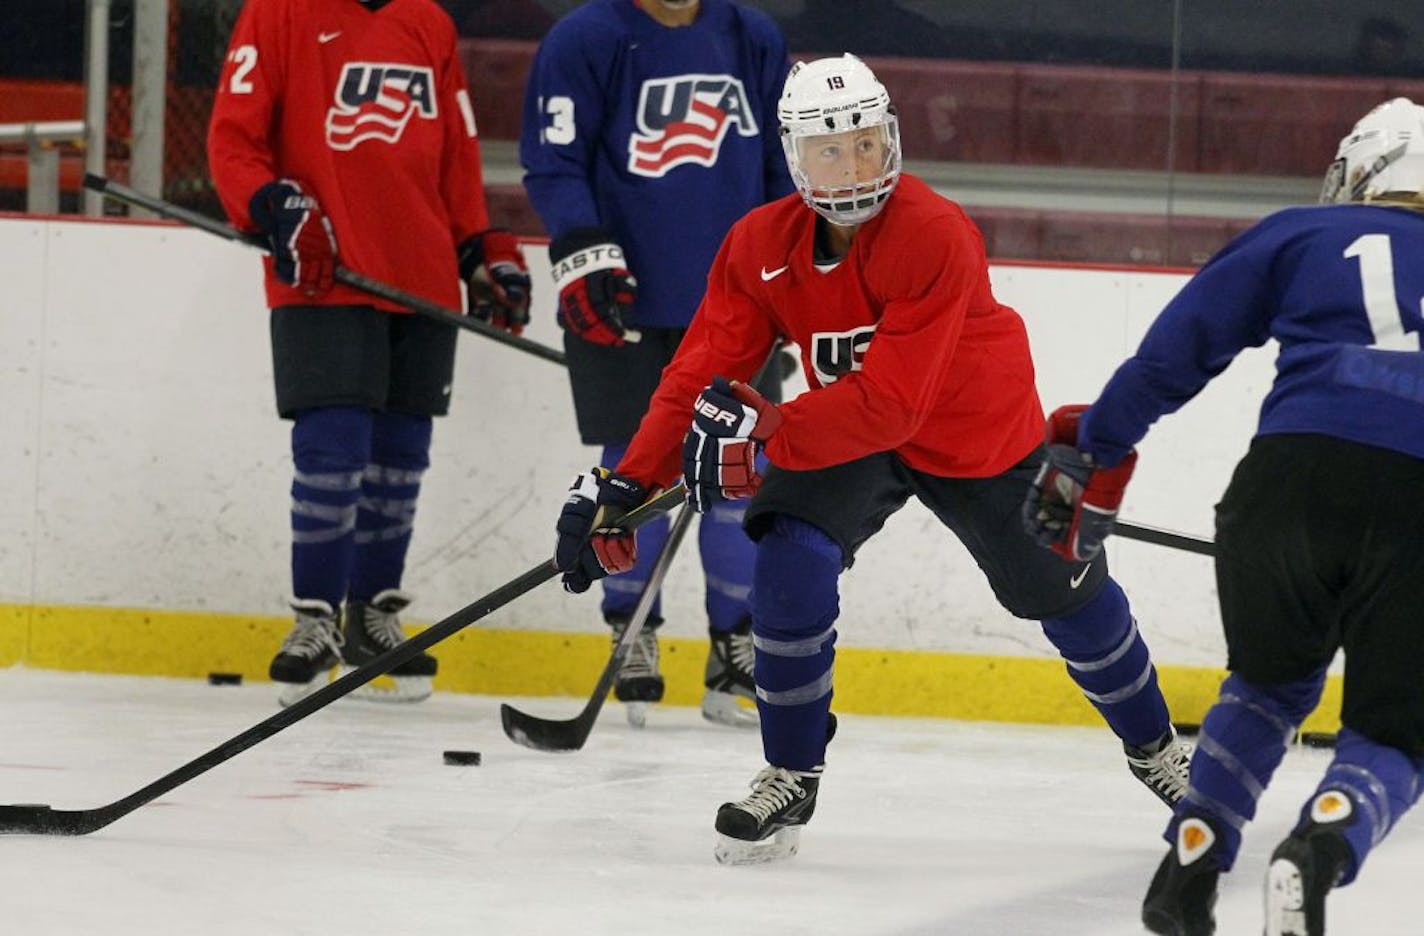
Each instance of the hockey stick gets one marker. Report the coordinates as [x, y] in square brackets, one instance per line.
[1158, 537]
[39, 819]
[347, 277]
[546, 734]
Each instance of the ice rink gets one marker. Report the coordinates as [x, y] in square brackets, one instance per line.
[349, 823]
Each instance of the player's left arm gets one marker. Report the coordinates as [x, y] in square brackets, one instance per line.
[490, 259]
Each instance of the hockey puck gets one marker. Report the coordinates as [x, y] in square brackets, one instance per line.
[1187, 729]
[463, 758]
[1317, 739]
[224, 679]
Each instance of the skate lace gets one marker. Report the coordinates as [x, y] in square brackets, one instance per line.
[1168, 769]
[772, 789]
[383, 627]
[311, 637]
[741, 652]
[642, 656]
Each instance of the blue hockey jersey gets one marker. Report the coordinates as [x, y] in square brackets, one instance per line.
[662, 136]
[1338, 286]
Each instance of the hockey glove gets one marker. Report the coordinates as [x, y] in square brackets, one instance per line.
[1073, 502]
[589, 544]
[299, 232]
[493, 266]
[730, 423]
[595, 286]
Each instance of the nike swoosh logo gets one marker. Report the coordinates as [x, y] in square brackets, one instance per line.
[1077, 580]
[325, 37]
[767, 277]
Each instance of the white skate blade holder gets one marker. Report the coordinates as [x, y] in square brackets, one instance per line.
[780, 845]
[1285, 900]
[393, 689]
[722, 708]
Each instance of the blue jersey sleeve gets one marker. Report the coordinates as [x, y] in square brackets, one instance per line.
[563, 112]
[1224, 309]
[775, 66]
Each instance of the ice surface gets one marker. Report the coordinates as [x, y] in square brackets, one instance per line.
[349, 823]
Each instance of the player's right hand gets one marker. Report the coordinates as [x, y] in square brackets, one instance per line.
[1072, 503]
[596, 289]
[299, 233]
[590, 545]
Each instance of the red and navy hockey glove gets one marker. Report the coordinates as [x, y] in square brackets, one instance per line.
[1073, 502]
[590, 545]
[299, 232]
[493, 266]
[730, 423]
[595, 286]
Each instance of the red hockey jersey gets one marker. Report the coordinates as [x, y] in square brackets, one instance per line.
[903, 345]
[369, 111]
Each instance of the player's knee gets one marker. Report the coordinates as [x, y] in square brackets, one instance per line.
[401, 440]
[1094, 630]
[795, 589]
[331, 439]
[1290, 701]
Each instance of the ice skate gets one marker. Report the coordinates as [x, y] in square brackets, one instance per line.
[310, 650]
[372, 628]
[639, 683]
[1182, 895]
[1305, 866]
[728, 677]
[1162, 766]
[766, 826]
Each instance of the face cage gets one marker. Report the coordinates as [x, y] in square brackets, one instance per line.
[847, 205]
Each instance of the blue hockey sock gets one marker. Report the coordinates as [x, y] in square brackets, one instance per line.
[795, 602]
[621, 592]
[330, 448]
[390, 487]
[727, 556]
[1242, 740]
[1381, 782]
[1108, 659]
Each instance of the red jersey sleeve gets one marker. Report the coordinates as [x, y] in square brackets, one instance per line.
[461, 175]
[926, 285]
[240, 153]
[730, 336]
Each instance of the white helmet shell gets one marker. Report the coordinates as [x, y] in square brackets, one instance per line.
[1383, 154]
[830, 96]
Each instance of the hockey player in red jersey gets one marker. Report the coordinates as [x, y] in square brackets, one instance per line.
[343, 130]
[921, 384]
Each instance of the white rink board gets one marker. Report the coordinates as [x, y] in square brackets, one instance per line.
[146, 467]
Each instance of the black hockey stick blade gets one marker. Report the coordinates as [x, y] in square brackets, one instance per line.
[559, 736]
[1158, 537]
[348, 277]
[37, 819]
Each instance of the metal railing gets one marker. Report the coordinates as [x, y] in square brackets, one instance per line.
[42, 140]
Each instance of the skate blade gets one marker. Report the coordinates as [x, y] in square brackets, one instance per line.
[783, 844]
[292, 693]
[401, 690]
[1285, 900]
[723, 708]
[637, 713]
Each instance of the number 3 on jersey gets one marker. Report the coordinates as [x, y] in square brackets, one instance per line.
[560, 129]
[1387, 320]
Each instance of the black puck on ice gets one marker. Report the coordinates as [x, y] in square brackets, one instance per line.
[463, 758]
[224, 679]
[1187, 729]
[1317, 739]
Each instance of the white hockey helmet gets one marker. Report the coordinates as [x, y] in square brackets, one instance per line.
[1383, 155]
[835, 108]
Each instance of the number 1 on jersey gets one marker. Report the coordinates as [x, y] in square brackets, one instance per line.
[1381, 305]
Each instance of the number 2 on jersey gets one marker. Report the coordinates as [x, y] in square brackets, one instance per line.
[1381, 305]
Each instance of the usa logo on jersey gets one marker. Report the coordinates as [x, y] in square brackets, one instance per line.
[375, 101]
[835, 354]
[684, 120]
